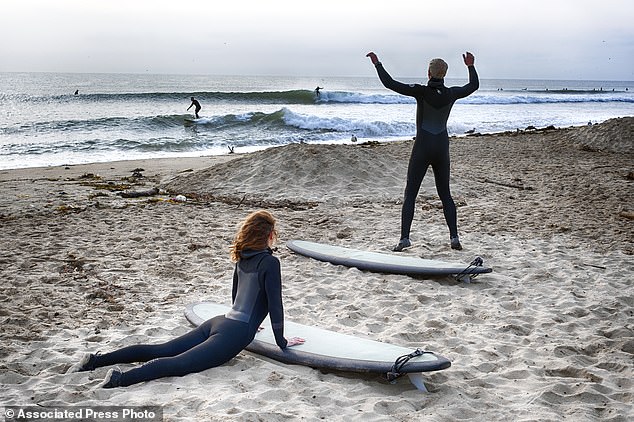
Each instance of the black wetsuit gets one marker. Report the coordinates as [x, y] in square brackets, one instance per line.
[197, 107]
[434, 102]
[256, 292]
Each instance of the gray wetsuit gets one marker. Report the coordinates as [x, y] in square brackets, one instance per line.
[257, 291]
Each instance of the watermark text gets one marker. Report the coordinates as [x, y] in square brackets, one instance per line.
[84, 413]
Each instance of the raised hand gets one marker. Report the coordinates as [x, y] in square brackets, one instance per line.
[372, 57]
[468, 58]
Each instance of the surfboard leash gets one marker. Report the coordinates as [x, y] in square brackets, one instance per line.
[477, 262]
[400, 362]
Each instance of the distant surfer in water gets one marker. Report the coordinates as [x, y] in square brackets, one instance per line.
[317, 93]
[431, 145]
[256, 293]
[196, 106]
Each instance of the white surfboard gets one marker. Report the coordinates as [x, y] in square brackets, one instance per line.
[327, 349]
[386, 263]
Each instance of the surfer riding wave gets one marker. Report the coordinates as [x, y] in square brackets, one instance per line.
[196, 106]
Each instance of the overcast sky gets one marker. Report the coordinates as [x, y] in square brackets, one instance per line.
[535, 39]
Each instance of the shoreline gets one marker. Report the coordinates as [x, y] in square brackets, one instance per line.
[116, 167]
[181, 161]
[547, 335]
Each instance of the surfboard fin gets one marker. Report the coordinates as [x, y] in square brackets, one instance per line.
[464, 278]
[416, 378]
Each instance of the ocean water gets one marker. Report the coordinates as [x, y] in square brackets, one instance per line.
[133, 116]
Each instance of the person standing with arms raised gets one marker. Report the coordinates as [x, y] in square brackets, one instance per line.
[431, 147]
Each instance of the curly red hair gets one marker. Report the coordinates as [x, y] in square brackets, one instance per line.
[254, 233]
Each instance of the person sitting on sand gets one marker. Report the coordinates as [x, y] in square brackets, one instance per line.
[196, 106]
[431, 145]
[257, 291]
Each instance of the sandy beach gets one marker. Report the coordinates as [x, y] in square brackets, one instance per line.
[90, 261]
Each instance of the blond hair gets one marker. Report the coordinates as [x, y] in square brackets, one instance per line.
[438, 68]
[253, 233]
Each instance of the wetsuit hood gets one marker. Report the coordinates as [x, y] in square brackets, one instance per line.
[249, 253]
[435, 82]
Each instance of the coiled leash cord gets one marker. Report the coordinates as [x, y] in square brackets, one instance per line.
[400, 362]
[477, 262]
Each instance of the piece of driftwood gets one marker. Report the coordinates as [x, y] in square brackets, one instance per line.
[509, 185]
[627, 214]
[139, 194]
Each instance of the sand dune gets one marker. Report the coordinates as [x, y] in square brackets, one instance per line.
[300, 172]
